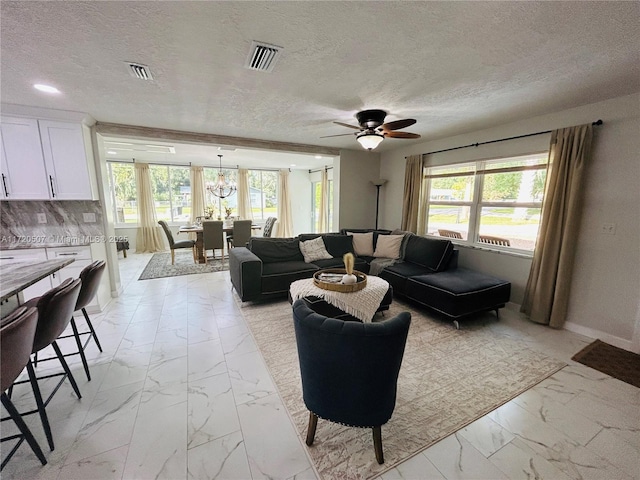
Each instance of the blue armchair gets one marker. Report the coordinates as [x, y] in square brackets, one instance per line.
[349, 369]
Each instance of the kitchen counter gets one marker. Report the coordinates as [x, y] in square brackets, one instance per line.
[15, 277]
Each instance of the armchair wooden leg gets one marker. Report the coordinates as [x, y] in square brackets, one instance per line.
[173, 256]
[311, 430]
[377, 444]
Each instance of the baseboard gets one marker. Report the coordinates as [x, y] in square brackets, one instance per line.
[605, 337]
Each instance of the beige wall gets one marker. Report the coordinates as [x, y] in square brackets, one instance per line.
[605, 290]
[353, 174]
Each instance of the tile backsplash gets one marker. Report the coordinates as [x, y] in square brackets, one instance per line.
[36, 224]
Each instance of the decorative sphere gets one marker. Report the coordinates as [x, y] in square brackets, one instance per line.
[349, 279]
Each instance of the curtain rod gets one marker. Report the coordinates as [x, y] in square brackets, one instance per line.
[320, 169]
[596, 123]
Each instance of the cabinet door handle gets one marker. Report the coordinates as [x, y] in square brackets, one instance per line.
[53, 192]
[7, 258]
[4, 185]
[74, 253]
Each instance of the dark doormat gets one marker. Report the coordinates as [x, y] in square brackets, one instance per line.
[611, 360]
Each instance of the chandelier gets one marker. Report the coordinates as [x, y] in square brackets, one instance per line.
[222, 188]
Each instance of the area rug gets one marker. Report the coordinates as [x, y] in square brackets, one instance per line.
[611, 360]
[160, 266]
[448, 379]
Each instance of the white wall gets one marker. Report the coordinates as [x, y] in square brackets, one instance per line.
[353, 174]
[300, 189]
[605, 290]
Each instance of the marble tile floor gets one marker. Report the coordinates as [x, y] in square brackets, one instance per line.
[181, 392]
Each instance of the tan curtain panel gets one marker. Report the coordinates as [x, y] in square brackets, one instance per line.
[412, 188]
[323, 220]
[149, 237]
[546, 296]
[244, 195]
[285, 220]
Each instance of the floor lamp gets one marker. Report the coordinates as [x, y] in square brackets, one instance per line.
[378, 184]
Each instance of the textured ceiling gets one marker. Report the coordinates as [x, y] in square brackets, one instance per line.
[453, 66]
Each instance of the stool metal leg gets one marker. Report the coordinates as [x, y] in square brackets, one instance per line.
[90, 325]
[66, 369]
[28, 436]
[80, 348]
[40, 404]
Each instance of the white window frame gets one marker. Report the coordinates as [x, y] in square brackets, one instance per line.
[482, 167]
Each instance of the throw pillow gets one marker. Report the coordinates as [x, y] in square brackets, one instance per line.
[338, 245]
[388, 246]
[314, 250]
[362, 243]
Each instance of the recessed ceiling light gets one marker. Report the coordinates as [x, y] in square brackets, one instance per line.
[111, 152]
[46, 88]
[318, 156]
[292, 165]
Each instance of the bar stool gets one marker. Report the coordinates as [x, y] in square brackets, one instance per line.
[16, 342]
[90, 276]
[55, 309]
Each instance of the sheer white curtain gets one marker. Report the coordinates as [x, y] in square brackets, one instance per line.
[285, 220]
[197, 195]
[323, 224]
[244, 195]
[149, 236]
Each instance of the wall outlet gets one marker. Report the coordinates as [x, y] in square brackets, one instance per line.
[42, 218]
[608, 228]
[89, 217]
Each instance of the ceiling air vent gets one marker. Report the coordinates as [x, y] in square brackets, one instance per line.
[262, 56]
[137, 70]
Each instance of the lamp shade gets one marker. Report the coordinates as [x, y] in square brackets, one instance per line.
[369, 140]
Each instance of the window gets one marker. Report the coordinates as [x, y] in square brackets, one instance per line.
[122, 184]
[172, 192]
[492, 203]
[264, 190]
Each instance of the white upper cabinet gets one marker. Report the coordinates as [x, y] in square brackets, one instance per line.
[43, 160]
[65, 160]
[23, 172]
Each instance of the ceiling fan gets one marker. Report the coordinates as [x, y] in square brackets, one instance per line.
[373, 129]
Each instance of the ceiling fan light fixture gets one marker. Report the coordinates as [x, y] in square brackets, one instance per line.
[369, 139]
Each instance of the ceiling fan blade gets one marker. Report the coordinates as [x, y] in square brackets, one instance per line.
[400, 135]
[347, 125]
[398, 124]
[341, 135]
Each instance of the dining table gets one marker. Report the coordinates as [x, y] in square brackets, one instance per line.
[15, 277]
[227, 228]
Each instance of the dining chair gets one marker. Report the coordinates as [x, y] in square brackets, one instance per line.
[55, 309]
[173, 245]
[16, 342]
[267, 230]
[213, 236]
[90, 276]
[241, 233]
[349, 370]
